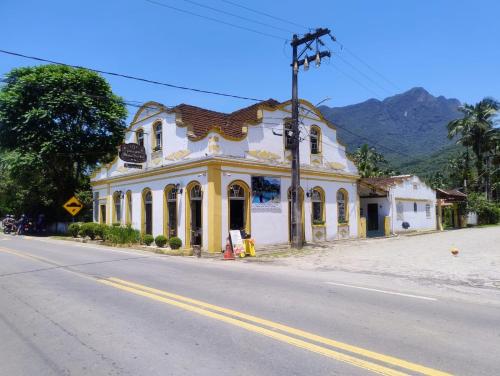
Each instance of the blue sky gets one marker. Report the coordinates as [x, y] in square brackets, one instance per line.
[449, 47]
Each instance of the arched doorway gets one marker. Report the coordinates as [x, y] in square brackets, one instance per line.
[170, 211]
[301, 202]
[147, 212]
[239, 206]
[194, 222]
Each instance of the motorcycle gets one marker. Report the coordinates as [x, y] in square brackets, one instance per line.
[9, 225]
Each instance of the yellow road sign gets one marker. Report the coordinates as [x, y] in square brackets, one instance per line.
[73, 206]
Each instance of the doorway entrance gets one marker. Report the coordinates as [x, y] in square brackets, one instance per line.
[171, 214]
[103, 213]
[372, 217]
[238, 207]
[196, 228]
[148, 213]
[291, 225]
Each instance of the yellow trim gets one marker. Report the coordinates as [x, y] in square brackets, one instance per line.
[387, 226]
[156, 123]
[214, 184]
[116, 195]
[413, 199]
[217, 129]
[320, 139]
[323, 211]
[166, 216]
[143, 210]
[147, 105]
[128, 207]
[254, 165]
[346, 206]
[187, 205]
[140, 130]
[248, 202]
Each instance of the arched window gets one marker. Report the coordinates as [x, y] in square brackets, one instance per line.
[140, 137]
[342, 211]
[117, 205]
[194, 223]
[318, 206]
[157, 127]
[287, 133]
[239, 203]
[315, 139]
[128, 207]
[170, 217]
[147, 211]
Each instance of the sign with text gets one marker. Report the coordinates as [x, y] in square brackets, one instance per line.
[134, 153]
[132, 165]
[236, 242]
[266, 192]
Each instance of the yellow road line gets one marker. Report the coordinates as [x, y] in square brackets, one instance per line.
[266, 332]
[159, 295]
[327, 341]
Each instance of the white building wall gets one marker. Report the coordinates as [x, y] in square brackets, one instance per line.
[408, 195]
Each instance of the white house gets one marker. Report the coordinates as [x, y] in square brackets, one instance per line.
[397, 204]
[208, 172]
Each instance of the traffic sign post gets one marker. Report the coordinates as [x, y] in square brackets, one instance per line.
[73, 206]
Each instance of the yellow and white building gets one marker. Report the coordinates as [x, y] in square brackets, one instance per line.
[208, 172]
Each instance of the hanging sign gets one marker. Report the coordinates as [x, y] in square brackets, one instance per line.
[132, 152]
[73, 206]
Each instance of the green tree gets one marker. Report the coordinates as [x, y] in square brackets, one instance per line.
[476, 131]
[369, 162]
[56, 124]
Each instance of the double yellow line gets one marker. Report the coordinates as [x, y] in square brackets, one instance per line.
[360, 357]
[277, 331]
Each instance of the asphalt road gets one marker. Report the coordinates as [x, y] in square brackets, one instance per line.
[72, 309]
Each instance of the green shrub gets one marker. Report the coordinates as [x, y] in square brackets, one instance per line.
[160, 241]
[101, 230]
[122, 235]
[487, 211]
[74, 229]
[88, 229]
[148, 239]
[175, 242]
[116, 224]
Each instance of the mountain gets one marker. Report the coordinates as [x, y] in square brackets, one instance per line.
[405, 127]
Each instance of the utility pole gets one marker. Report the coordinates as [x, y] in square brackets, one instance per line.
[307, 40]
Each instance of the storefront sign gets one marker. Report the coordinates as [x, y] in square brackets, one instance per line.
[132, 165]
[236, 242]
[134, 153]
[266, 192]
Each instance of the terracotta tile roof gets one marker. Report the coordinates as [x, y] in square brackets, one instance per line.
[448, 193]
[385, 183]
[200, 121]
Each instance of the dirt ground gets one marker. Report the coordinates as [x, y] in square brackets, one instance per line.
[423, 257]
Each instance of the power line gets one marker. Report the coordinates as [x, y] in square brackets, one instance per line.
[265, 14]
[368, 66]
[214, 19]
[132, 77]
[362, 73]
[218, 10]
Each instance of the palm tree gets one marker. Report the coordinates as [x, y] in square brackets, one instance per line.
[368, 161]
[474, 130]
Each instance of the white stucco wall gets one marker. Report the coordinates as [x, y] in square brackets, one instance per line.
[408, 195]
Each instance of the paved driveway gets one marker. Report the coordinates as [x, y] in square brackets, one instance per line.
[424, 257]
